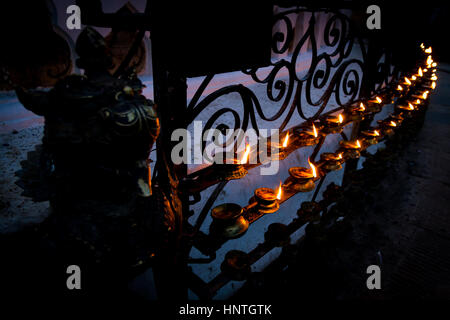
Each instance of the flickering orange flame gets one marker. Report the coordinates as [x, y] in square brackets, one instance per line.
[433, 85]
[313, 169]
[422, 45]
[399, 88]
[434, 78]
[340, 156]
[411, 107]
[429, 60]
[413, 77]
[376, 133]
[280, 192]
[286, 139]
[378, 99]
[418, 101]
[341, 118]
[420, 72]
[361, 107]
[425, 70]
[428, 50]
[434, 64]
[314, 130]
[425, 95]
[407, 81]
[358, 143]
[393, 124]
[246, 154]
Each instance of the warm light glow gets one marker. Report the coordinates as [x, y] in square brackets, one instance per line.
[361, 107]
[425, 70]
[425, 95]
[422, 45]
[358, 143]
[433, 85]
[411, 107]
[340, 156]
[434, 64]
[393, 124]
[314, 130]
[429, 60]
[376, 133]
[399, 88]
[285, 142]
[279, 194]
[378, 99]
[246, 154]
[313, 169]
[420, 73]
[407, 81]
[413, 78]
[428, 50]
[434, 78]
[341, 118]
[418, 101]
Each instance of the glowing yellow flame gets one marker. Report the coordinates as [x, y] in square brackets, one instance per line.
[429, 60]
[420, 73]
[399, 88]
[434, 64]
[433, 85]
[279, 192]
[434, 78]
[376, 133]
[418, 101]
[425, 95]
[422, 45]
[361, 107]
[428, 50]
[313, 169]
[425, 70]
[393, 124]
[358, 143]
[340, 155]
[285, 142]
[413, 78]
[314, 130]
[407, 81]
[378, 99]
[341, 118]
[246, 154]
[411, 107]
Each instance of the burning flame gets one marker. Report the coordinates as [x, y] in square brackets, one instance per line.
[393, 124]
[279, 192]
[285, 142]
[399, 88]
[428, 50]
[378, 99]
[411, 107]
[361, 107]
[246, 154]
[425, 95]
[422, 45]
[314, 130]
[358, 143]
[434, 64]
[425, 70]
[434, 78]
[418, 101]
[407, 81]
[341, 118]
[429, 60]
[340, 156]
[313, 169]
[433, 85]
[376, 132]
[420, 72]
[413, 77]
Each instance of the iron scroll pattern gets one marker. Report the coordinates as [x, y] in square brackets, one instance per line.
[336, 71]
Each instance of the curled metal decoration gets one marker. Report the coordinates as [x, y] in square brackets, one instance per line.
[335, 70]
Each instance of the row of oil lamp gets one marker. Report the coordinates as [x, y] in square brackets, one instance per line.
[228, 218]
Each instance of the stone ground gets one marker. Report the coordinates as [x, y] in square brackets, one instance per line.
[404, 228]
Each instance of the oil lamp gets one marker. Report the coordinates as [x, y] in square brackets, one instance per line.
[331, 161]
[387, 126]
[282, 150]
[266, 199]
[371, 136]
[334, 124]
[351, 149]
[374, 105]
[231, 168]
[277, 234]
[406, 109]
[228, 221]
[236, 265]
[302, 179]
[356, 114]
[407, 81]
[307, 138]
